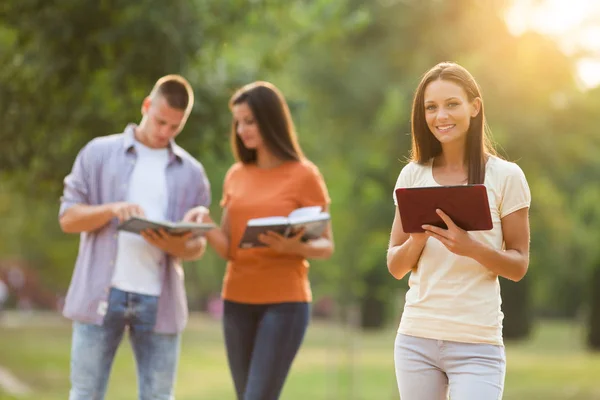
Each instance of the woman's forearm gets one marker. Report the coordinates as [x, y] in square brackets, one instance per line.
[321, 248]
[401, 259]
[510, 264]
[219, 241]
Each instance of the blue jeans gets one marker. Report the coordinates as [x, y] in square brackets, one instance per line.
[262, 342]
[94, 347]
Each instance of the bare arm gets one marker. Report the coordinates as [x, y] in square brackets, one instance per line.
[219, 237]
[86, 218]
[404, 249]
[77, 214]
[321, 248]
[511, 262]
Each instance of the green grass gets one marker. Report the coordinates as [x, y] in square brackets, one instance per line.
[333, 364]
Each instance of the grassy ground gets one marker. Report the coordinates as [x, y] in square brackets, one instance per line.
[333, 364]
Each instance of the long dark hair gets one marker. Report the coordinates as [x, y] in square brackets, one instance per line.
[425, 146]
[275, 124]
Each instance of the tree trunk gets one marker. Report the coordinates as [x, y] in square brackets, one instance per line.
[375, 300]
[593, 339]
[373, 310]
[517, 309]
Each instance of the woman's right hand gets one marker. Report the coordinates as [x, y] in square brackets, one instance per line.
[198, 214]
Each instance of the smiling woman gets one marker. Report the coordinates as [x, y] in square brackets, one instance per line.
[574, 24]
[452, 312]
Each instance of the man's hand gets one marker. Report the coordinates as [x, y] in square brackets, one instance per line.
[174, 245]
[123, 210]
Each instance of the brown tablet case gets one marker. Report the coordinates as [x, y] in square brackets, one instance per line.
[466, 205]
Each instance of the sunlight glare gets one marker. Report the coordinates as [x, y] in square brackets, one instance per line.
[560, 16]
[590, 39]
[589, 72]
[574, 24]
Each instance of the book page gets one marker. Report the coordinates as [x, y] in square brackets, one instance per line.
[190, 225]
[313, 229]
[300, 214]
[301, 219]
[267, 221]
[305, 212]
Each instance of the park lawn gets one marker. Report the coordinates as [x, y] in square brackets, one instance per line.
[334, 363]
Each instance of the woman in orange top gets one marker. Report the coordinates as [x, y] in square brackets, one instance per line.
[266, 290]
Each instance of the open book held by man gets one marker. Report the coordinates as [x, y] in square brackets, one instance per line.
[138, 225]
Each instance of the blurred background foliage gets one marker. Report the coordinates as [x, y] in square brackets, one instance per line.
[74, 70]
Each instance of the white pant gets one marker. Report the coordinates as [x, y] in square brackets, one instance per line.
[428, 369]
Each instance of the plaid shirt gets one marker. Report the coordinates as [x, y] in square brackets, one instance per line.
[100, 175]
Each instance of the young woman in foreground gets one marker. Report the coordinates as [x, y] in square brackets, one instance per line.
[450, 335]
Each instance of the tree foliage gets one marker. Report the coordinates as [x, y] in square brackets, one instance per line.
[73, 70]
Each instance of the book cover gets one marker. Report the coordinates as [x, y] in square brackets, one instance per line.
[137, 224]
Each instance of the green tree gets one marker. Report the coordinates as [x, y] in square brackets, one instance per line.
[348, 69]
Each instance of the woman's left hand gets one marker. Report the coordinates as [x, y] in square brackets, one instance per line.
[457, 240]
[199, 215]
[282, 244]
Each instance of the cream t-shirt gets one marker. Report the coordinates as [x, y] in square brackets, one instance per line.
[453, 297]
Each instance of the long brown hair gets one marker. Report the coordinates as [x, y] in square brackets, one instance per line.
[271, 112]
[425, 146]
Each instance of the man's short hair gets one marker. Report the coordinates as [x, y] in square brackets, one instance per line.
[176, 90]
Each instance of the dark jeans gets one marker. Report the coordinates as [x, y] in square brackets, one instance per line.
[262, 341]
